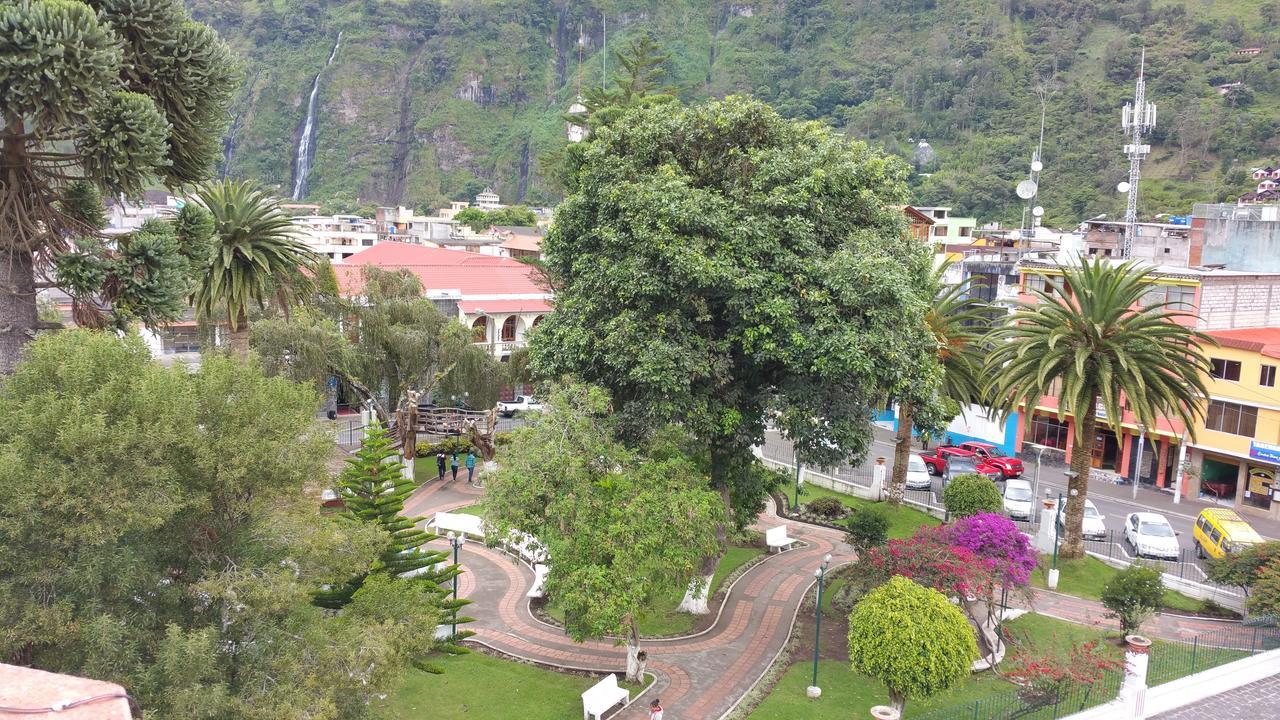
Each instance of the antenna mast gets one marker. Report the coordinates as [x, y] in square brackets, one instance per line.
[1029, 188]
[1137, 120]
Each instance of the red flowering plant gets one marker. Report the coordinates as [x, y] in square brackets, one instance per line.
[1044, 676]
[930, 558]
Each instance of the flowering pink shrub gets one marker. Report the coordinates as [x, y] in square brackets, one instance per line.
[930, 558]
[996, 540]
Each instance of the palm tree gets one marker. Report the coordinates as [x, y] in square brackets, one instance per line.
[952, 319]
[256, 255]
[1094, 337]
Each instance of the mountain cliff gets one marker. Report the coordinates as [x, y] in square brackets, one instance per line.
[426, 100]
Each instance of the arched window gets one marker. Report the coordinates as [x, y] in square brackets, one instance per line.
[537, 320]
[480, 329]
[509, 329]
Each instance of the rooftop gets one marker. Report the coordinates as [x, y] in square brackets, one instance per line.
[1050, 261]
[470, 273]
[1265, 341]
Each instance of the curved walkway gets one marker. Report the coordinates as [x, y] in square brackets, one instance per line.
[702, 675]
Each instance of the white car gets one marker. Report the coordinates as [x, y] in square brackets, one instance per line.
[1018, 500]
[1150, 535]
[1091, 527]
[522, 403]
[918, 477]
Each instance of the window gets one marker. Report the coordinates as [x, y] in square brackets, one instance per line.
[1049, 432]
[480, 329]
[1267, 378]
[1231, 418]
[1225, 369]
[940, 231]
[1107, 252]
[1182, 297]
[1033, 282]
[509, 329]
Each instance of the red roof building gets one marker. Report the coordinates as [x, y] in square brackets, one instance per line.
[500, 298]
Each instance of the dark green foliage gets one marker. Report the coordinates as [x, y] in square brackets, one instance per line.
[449, 446]
[827, 507]
[868, 528]
[970, 494]
[479, 220]
[1132, 595]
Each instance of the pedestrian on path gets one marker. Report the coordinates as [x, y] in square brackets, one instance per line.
[655, 709]
[455, 465]
[471, 465]
[440, 464]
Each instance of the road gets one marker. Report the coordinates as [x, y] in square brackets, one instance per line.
[1113, 502]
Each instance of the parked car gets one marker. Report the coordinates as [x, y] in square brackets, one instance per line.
[962, 464]
[1091, 527]
[1219, 531]
[937, 459]
[1018, 501]
[992, 455]
[918, 477]
[522, 403]
[1151, 535]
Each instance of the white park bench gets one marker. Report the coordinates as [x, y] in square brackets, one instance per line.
[602, 696]
[539, 580]
[526, 547]
[777, 538]
[457, 522]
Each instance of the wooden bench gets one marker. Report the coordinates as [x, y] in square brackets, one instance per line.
[777, 538]
[602, 696]
[457, 522]
[539, 580]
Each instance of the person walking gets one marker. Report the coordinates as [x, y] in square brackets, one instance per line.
[471, 465]
[454, 465]
[655, 709]
[440, 464]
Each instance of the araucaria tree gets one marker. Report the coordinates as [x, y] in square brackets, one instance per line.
[98, 97]
[715, 261]
[912, 639]
[620, 526]
[1091, 340]
[952, 319]
[256, 253]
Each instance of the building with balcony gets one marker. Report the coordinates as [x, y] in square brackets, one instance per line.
[499, 298]
[337, 236]
[1155, 243]
[947, 229]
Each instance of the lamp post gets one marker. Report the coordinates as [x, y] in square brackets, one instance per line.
[457, 540]
[813, 690]
[1035, 483]
[1137, 465]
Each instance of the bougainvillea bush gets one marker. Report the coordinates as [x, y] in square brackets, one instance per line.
[931, 559]
[997, 541]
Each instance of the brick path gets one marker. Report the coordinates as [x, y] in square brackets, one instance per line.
[1255, 701]
[699, 676]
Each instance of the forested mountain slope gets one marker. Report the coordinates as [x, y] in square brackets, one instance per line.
[433, 99]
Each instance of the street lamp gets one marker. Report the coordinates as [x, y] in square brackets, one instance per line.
[1035, 483]
[813, 690]
[457, 540]
[1137, 465]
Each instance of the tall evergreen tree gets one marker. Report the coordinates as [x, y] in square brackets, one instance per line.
[374, 489]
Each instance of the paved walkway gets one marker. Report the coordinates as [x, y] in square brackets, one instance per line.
[702, 675]
[1255, 701]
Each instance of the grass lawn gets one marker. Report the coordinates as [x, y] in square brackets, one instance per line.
[903, 520]
[480, 687]
[1085, 577]
[476, 510]
[846, 694]
[663, 619]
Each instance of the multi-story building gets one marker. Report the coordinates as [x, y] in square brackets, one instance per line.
[124, 215]
[337, 236]
[1236, 237]
[948, 229]
[1155, 243]
[401, 224]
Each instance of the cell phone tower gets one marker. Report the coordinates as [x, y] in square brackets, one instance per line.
[1137, 120]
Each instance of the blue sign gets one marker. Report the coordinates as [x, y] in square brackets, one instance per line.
[1265, 452]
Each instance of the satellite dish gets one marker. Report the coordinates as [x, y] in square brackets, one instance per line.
[1122, 187]
[1027, 189]
[1036, 166]
[1037, 211]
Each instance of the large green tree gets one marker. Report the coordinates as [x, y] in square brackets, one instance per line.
[103, 96]
[161, 530]
[713, 261]
[256, 255]
[953, 320]
[1090, 339]
[620, 526]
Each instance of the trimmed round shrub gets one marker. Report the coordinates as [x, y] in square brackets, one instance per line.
[827, 507]
[1132, 595]
[970, 494]
[867, 528]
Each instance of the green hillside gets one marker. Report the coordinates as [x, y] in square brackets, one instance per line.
[429, 100]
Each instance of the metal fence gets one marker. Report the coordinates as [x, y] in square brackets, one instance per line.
[1172, 659]
[1028, 703]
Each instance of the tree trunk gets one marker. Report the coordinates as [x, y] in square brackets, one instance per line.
[238, 339]
[637, 659]
[697, 595]
[1081, 461]
[17, 306]
[901, 453]
[897, 701]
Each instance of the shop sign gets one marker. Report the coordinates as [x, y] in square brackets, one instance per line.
[1261, 480]
[1265, 452]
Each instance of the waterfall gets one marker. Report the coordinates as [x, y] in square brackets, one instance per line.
[306, 143]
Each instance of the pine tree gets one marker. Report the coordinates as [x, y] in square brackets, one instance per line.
[374, 488]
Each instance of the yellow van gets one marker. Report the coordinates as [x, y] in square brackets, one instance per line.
[1219, 531]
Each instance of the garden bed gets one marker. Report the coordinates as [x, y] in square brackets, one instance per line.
[903, 520]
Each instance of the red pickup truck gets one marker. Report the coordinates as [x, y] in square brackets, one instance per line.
[986, 454]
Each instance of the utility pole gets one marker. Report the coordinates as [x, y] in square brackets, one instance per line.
[1136, 120]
